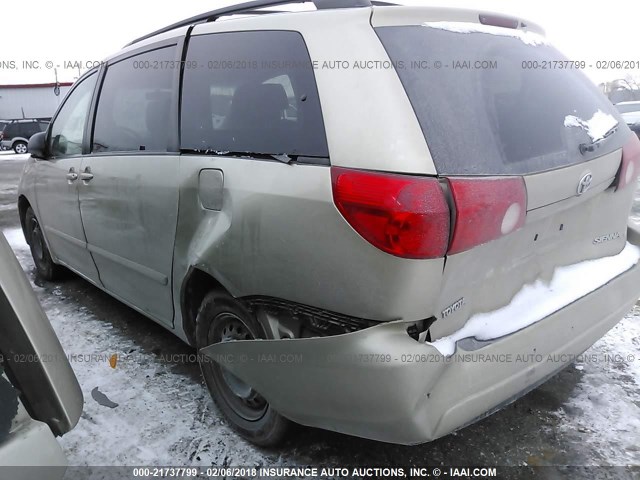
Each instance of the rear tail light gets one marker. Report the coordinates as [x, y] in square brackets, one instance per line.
[409, 217]
[630, 166]
[403, 215]
[486, 209]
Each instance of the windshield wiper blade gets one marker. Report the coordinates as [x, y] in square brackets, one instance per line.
[594, 145]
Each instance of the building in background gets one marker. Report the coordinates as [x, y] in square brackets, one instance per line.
[31, 101]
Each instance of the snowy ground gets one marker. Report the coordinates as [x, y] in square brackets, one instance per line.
[589, 414]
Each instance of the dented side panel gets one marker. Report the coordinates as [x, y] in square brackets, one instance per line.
[278, 234]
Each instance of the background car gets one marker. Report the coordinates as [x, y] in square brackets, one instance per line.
[630, 112]
[40, 397]
[16, 134]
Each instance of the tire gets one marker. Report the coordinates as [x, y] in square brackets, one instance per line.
[20, 147]
[45, 267]
[222, 318]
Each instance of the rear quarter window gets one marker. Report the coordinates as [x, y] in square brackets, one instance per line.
[489, 107]
[251, 92]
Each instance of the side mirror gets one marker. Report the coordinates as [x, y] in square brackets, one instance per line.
[37, 145]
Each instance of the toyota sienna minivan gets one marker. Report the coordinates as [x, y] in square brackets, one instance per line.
[336, 205]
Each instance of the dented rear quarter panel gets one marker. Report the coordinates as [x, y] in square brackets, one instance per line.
[280, 235]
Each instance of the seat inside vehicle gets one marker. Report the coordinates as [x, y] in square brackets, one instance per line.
[256, 118]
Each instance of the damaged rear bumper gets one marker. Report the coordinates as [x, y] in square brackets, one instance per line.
[381, 384]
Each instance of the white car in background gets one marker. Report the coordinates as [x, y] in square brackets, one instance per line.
[630, 112]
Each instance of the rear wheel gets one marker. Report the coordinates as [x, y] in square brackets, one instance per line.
[20, 147]
[223, 319]
[39, 251]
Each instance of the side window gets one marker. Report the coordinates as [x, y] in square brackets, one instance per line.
[10, 130]
[30, 128]
[251, 92]
[68, 128]
[134, 107]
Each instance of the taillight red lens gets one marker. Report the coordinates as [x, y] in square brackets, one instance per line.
[403, 215]
[486, 209]
[630, 167]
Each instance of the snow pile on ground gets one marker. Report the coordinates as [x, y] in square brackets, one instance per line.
[539, 300]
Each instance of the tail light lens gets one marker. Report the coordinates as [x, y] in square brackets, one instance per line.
[486, 209]
[403, 215]
[630, 167]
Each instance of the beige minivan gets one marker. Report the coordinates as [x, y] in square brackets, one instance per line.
[381, 220]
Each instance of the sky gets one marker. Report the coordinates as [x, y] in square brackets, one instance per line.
[80, 31]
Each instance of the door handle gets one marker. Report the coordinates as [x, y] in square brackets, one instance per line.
[72, 176]
[86, 176]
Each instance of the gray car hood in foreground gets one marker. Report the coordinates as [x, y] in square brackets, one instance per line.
[34, 359]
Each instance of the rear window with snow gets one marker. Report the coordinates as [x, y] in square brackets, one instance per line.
[495, 101]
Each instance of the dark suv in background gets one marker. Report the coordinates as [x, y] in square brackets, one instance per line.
[16, 133]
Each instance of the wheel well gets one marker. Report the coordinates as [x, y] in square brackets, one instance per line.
[195, 287]
[23, 205]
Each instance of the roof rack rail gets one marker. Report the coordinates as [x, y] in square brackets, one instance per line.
[253, 8]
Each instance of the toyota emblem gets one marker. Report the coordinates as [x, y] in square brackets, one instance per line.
[585, 183]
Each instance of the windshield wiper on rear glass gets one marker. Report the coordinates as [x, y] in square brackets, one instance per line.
[595, 144]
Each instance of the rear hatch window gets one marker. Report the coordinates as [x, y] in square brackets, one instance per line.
[496, 101]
